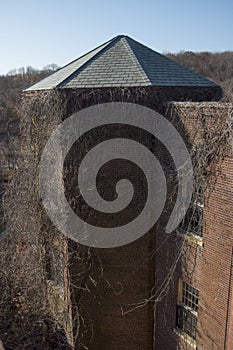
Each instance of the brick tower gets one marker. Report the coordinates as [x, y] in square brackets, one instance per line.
[161, 291]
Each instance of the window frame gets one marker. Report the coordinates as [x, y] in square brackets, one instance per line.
[192, 223]
[187, 309]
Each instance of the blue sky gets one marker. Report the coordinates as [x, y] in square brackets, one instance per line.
[39, 32]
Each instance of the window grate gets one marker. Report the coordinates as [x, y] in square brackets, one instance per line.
[190, 296]
[187, 309]
[186, 321]
[193, 221]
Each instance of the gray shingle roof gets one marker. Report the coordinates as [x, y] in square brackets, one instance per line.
[124, 62]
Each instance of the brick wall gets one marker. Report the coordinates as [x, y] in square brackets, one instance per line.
[208, 266]
[215, 274]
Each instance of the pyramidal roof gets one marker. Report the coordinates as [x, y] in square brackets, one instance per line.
[122, 62]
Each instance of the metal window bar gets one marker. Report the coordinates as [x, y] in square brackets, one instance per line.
[193, 221]
[190, 296]
[186, 321]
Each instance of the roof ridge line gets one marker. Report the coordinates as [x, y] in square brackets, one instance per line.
[136, 59]
[85, 54]
[170, 59]
[108, 44]
[77, 59]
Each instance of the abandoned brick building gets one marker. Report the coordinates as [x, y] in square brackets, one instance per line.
[162, 291]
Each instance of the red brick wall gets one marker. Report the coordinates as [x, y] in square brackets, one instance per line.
[229, 328]
[216, 262]
[207, 268]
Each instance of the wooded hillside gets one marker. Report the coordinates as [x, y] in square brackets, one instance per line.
[12, 85]
[215, 66]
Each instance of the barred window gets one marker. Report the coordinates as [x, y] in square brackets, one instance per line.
[186, 321]
[187, 309]
[193, 221]
[190, 296]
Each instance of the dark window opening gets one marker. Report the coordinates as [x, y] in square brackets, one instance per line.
[187, 309]
[193, 220]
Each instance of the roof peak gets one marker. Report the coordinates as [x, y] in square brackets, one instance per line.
[121, 36]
